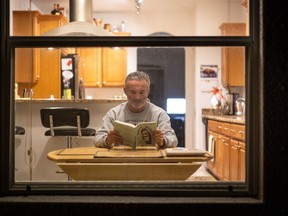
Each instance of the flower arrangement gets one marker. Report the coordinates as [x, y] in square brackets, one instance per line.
[217, 96]
[219, 101]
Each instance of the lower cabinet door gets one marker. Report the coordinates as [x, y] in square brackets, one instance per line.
[234, 160]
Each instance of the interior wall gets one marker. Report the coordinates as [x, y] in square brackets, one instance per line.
[210, 55]
[190, 93]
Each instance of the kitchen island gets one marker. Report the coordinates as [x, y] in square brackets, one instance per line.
[124, 163]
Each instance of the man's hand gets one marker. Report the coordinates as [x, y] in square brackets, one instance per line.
[159, 138]
[113, 137]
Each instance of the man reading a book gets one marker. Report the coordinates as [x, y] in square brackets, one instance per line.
[137, 109]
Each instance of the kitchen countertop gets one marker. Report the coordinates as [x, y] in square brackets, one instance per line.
[107, 100]
[211, 114]
[206, 113]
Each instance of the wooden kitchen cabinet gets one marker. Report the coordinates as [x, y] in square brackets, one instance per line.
[237, 160]
[237, 153]
[48, 22]
[114, 66]
[242, 162]
[90, 66]
[229, 159]
[103, 67]
[226, 158]
[27, 60]
[237, 131]
[220, 156]
[37, 66]
[233, 58]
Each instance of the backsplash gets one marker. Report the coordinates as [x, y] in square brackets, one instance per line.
[104, 93]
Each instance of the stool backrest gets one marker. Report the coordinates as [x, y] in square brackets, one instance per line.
[64, 116]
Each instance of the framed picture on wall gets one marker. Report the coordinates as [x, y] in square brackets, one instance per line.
[208, 71]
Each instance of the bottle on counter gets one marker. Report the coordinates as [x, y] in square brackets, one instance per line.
[123, 28]
[24, 93]
[31, 93]
[16, 91]
[230, 104]
[81, 89]
[56, 10]
[67, 93]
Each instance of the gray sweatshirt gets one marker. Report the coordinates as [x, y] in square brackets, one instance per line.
[151, 113]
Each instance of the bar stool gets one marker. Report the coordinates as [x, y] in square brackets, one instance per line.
[66, 121]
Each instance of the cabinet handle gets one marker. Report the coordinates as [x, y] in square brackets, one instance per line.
[104, 83]
[241, 132]
[232, 130]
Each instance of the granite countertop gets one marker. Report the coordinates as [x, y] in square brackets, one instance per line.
[48, 100]
[211, 114]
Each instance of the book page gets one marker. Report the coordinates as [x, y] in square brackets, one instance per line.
[144, 133]
[127, 131]
[141, 134]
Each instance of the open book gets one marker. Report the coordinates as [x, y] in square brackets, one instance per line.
[136, 135]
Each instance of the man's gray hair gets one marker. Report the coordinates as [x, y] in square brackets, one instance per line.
[138, 75]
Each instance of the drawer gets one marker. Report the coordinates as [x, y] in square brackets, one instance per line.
[219, 127]
[223, 128]
[237, 131]
[237, 144]
[242, 146]
[226, 129]
[212, 125]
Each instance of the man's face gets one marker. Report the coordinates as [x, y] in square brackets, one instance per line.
[137, 94]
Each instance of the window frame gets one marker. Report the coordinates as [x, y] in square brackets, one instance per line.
[254, 115]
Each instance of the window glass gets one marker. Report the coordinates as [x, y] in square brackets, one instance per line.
[205, 78]
[135, 18]
[212, 75]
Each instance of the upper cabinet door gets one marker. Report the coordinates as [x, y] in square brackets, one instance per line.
[27, 68]
[233, 64]
[27, 60]
[103, 67]
[89, 66]
[49, 22]
[114, 62]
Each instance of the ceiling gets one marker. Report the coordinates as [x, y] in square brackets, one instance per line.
[118, 5]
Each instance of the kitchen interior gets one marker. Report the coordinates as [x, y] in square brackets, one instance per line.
[201, 88]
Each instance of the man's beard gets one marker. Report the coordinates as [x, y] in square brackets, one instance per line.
[137, 104]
